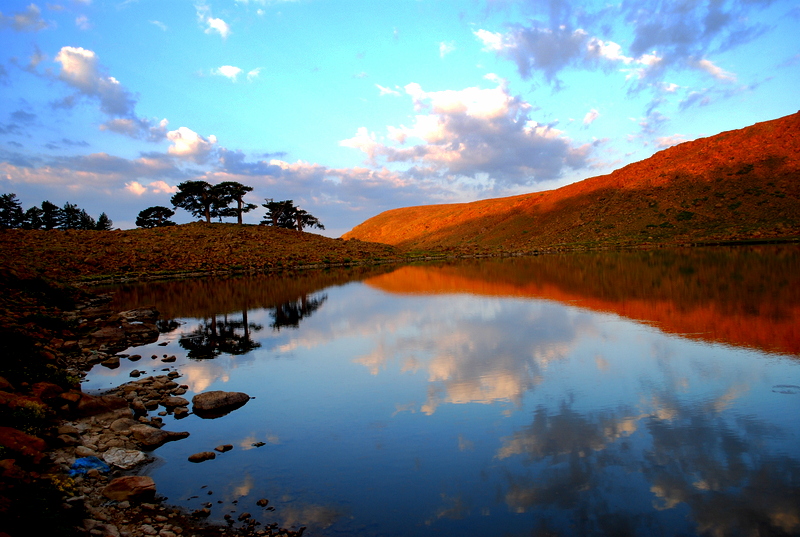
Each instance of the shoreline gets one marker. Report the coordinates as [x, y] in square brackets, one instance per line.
[112, 436]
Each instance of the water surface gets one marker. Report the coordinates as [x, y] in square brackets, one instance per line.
[640, 393]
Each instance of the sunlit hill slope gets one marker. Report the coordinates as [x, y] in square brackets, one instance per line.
[742, 184]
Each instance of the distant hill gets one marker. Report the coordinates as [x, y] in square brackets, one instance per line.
[741, 184]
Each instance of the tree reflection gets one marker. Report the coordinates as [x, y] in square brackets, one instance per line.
[216, 336]
[289, 314]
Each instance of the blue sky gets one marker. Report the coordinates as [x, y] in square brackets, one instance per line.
[354, 107]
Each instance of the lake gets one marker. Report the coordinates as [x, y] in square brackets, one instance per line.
[611, 393]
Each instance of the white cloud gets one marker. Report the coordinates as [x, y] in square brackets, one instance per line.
[82, 22]
[253, 74]
[212, 24]
[590, 116]
[136, 188]
[387, 91]
[228, 71]
[160, 25]
[446, 48]
[81, 70]
[483, 134]
[713, 70]
[188, 144]
[219, 26]
[161, 187]
[29, 20]
[668, 141]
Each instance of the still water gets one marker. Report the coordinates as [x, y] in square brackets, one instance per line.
[640, 393]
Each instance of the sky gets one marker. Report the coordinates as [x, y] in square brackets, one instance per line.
[354, 107]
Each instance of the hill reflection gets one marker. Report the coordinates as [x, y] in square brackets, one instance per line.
[746, 296]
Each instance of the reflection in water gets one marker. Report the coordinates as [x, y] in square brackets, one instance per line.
[643, 393]
[216, 336]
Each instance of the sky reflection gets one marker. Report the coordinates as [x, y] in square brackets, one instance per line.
[455, 409]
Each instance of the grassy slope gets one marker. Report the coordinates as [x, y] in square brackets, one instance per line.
[737, 185]
[191, 248]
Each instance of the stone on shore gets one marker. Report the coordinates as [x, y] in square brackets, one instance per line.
[124, 458]
[131, 487]
[150, 437]
[217, 403]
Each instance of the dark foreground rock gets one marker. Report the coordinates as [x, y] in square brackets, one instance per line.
[215, 404]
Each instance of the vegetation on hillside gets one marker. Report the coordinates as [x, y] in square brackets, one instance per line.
[185, 249]
[742, 184]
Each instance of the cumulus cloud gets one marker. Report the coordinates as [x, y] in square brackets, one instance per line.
[476, 133]
[139, 128]
[155, 187]
[188, 144]
[228, 71]
[212, 24]
[29, 20]
[81, 70]
[253, 74]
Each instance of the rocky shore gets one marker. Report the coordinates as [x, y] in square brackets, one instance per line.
[70, 461]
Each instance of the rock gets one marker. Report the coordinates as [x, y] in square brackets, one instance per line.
[172, 402]
[83, 451]
[201, 512]
[214, 404]
[111, 363]
[243, 516]
[180, 412]
[135, 373]
[46, 390]
[262, 502]
[121, 424]
[68, 429]
[22, 443]
[140, 315]
[202, 456]
[169, 358]
[135, 357]
[223, 448]
[89, 405]
[124, 458]
[138, 407]
[131, 487]
[151, 437]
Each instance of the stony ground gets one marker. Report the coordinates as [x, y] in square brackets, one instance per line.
[49, 336]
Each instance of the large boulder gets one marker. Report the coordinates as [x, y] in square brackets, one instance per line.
[217, 403]
[131, 487]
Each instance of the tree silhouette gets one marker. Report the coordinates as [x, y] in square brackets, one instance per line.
[229, 191]
[196, 197]
[284, 214]
[157, 216]
[33, 218]
[104, 223]
[52, 215]
[11, 214]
